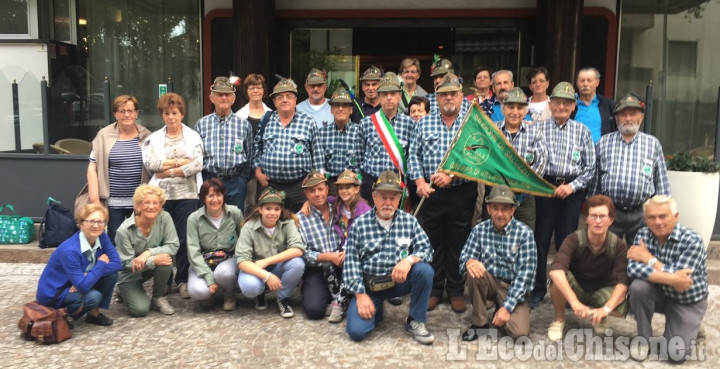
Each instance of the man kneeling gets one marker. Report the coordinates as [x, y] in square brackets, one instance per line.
[500, 258]
[590, 271]
[387, 255]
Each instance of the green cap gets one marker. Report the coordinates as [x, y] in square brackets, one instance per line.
[449, 83]
[389, 83]
[517, 96]
[348, 177]
[285, 85]
[222, 85]
[316, 77]
[271, 196]
[441, 67]
[340, 96]
[563, 90]
[388, 181]
[313, 178]
[372, 74]
[501, 195]
[629, 101]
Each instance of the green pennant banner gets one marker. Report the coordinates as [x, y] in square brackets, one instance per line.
[481, 153]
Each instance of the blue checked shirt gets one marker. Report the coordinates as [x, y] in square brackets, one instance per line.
[288, 154]
[630, 173]
[683, 249]
[510, 256]
[341, 148]
[571, 152]
[375, 159]
[318, 235]
[370, 250]
[228, 142]
[530, 144]
[431, 140]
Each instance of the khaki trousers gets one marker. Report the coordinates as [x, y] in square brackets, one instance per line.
[487, 289]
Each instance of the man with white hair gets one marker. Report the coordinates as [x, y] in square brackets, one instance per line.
[630, 167]
[669, 266]
[502, 83]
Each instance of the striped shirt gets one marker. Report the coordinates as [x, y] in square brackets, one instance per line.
[530, 144]
[318, 235]
[228, 142]
[630, 172]
[683, 249]
[341, 148]
[124, 172]
[375, 158]
[287, 154]
[370, 250]
[509, 256]
[571, 152]
[430, 141]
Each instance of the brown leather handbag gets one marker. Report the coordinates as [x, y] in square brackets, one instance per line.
[44, 324]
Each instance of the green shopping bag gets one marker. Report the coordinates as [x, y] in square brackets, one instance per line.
[15, 228]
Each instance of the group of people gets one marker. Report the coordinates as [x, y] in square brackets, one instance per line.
[325, 182]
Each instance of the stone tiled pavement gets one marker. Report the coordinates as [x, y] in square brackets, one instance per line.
[246, 338]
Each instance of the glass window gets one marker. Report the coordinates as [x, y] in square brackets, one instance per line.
[18, 19]
[63, 19]
[330, 49]
[673, 44]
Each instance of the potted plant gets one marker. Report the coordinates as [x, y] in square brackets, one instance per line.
[694, 182]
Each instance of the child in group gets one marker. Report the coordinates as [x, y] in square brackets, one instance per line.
[269, 251]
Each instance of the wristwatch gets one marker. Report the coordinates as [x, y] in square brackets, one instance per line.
[410, 259]
[651, 262]
[607, 309]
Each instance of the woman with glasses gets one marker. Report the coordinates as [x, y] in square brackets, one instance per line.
[116, 165]
[82, 272]
[174, 156]
[146, 243]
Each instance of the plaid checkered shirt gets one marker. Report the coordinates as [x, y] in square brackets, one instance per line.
[370, 250]
[341, 148]
[630, 173]
[683, 249]
[288, 154]
[375, 158]
[318, 235]
[510, 256]
[430, 141]
[571, 152]
[530, 144]
[228, 141]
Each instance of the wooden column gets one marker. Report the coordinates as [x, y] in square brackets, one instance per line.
[254, 22]
[557, 40]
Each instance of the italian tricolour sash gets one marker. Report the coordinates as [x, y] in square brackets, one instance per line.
[389, 139]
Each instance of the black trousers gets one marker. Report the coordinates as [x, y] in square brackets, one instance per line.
[553, 215]
[446, 217]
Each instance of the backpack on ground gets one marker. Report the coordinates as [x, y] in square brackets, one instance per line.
[57, 226]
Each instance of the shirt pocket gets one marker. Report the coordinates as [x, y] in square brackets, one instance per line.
[299, 144]
[269, 142]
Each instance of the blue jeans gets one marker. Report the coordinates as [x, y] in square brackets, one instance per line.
[289, 273]
[116, 217]
[418, 285]
[98, 297]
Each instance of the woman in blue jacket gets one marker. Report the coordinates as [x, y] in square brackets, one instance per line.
[82, 272]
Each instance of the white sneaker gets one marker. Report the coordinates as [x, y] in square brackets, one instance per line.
[702, 332]
[183, 291]
[162, 305]
[419, 332]
[336, 313]
[230, 302]
[555, 331]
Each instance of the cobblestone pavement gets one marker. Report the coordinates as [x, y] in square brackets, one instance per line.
[245, 338]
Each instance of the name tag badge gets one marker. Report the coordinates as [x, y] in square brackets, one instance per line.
[575, 156]
[530, 157]
[647, 171]
[403, 241]
[238, 148]
[299, 148]
[515, 248]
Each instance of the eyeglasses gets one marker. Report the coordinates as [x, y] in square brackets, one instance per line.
[91, 222]
[409, 72]
[596, 217]
[128, 111]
